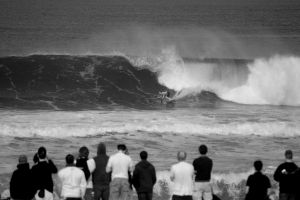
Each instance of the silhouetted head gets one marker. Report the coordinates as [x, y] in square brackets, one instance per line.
[70, 159]
[84, 152]
[144, 155]
[203, 149]
[122, 147]
[181, 156]
[22, 159]
[288, 154]
[42, 153]
[101, 149]
[258, 165]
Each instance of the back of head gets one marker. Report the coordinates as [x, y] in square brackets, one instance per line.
[258, 165]
[42, 153]
[69, 159]
[22, 159]
[144, 155]
[288, 154]
[203, 149]
[181, 156]
[101, 149]
[84, 152]
[121, 147]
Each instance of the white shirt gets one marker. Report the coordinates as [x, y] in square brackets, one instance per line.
[182, 176]
[119, 164]
[73, 182]
[92, 166]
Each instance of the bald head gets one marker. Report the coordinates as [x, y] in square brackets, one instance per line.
[181, 155]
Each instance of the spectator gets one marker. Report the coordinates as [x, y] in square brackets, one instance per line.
[119, 164]
[82, 163]
[182, 175]
[72, 180]
[144, 178]
[203, 167]
[21, 186]
[258, 184]
[285, 175]
[101, 179]
[42, 175]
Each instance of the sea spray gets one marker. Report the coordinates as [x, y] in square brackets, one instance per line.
[270, 81]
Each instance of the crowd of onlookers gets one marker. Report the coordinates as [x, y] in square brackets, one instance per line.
[114, 177]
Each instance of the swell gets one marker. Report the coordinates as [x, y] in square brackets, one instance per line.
[75, 82]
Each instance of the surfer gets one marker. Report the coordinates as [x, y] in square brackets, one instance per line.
[165, 97]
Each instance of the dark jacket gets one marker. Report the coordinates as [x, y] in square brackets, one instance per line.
[42, 175]
[144, 177]
[258, 184]
[203, 166]
[21, 186]
[286, 180]
[100, 177]
[81, 163]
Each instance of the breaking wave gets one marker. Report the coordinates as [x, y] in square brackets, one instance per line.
[96, 82]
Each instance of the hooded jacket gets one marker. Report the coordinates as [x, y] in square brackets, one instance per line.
[21, 186]
[100, 177]
[144, 177]
[42, 175]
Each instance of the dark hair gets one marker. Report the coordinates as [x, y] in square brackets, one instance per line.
[122, 147]
[42, 153]
[203, 149]
[258, 165]
[69, 159]
[288, 154]
[35, 158]
[144, 155]
[84, 152]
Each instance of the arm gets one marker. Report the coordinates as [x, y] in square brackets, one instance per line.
[278, 173]
[172, 175]
[52, 167]
[13, 185]
[153, 176]
[135, 178]
[109, 166]
[131, 166]
[91, 165]
[82, 186]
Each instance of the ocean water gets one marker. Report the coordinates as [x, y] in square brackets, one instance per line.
[76, 73]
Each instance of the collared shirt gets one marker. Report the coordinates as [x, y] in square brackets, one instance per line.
[182, 174]
[73, 182]
[119, 164]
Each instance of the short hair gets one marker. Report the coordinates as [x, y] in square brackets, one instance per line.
[144, 155]
[181, 155]
[203, 149]
[258, 165]
[84, 151]
[121, 147]
[288, 154]
[70, 159]
[22, 159]
[42, 153]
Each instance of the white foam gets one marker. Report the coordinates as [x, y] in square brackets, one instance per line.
[273, 81]
[91, 123]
